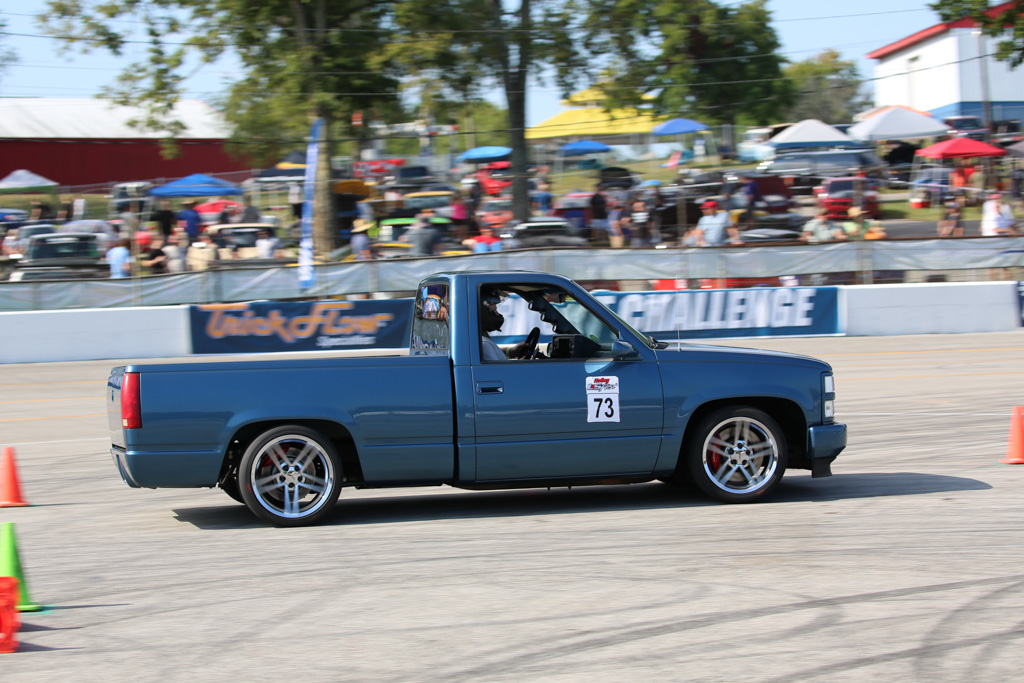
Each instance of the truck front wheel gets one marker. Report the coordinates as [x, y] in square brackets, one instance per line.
[737, 454]
[290, 476]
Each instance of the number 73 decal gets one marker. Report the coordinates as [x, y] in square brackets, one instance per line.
[602, 399]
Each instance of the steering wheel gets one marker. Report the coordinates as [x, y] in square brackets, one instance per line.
[531, 343]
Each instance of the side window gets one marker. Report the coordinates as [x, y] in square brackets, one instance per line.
[430, 331]
[566, 329]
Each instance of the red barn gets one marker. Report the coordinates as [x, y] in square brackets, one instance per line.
[87, 141]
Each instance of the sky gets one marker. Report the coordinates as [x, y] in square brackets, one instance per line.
[805, 29]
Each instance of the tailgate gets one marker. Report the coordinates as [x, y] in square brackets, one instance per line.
[113, 399]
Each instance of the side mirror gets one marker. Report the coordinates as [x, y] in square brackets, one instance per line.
[623, 350]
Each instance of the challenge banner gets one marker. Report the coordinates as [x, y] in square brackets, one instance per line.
[715, 313]
[710, 313]
[269, 326]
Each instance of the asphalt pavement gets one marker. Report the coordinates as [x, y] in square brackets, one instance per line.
[906, 565]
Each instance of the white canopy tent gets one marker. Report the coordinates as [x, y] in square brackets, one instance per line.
[897, 123]
[811, 133]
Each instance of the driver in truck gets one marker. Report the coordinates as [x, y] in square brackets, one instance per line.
[491, 321]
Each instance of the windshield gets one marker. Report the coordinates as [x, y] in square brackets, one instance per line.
[965, 122]
[437, 202]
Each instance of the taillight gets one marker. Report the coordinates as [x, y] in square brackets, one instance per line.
[131, 404]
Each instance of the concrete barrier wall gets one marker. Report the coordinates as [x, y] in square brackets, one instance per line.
[937, 308]
[162, 332]
[94, 334]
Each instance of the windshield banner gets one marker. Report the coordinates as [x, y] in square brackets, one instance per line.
[271, 326]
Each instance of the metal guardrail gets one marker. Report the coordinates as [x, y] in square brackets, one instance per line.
[861, 262]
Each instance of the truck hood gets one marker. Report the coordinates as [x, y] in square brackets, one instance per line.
[691, 353]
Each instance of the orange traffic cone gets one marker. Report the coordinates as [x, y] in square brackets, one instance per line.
[10, 489]
[9, 621]
[1015, 444]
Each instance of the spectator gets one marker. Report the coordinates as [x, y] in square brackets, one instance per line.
[78, 209]
[130, 219]
[188, 220]
[485, 241]
[715, 225]
[360, 242]
[295, 199]
[460, 217]
[64, 212]
[997, 217]
[951, 224]
[229, 214]
[640, 224]
[655, 204]
[120, 259]
[267, 245]
[422, 234]
[542, 200]
[201, 252]
[175, 250]
[250, 214]
[598, 215]
[164, 218]
[143, 237]
[155, 259]
[854, 228]
[821, 229]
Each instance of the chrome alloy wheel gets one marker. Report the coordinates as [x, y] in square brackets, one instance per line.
[293, 476]
[740, 455]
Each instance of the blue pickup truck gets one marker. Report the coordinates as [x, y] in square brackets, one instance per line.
[571, 395]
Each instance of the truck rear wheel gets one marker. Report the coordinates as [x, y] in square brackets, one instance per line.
[737, 454]
[290, 476]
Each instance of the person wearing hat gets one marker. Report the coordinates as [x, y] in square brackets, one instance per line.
[715, 225]
[855, 228]
[360, 241]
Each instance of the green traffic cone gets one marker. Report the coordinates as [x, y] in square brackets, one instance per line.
[10, 565]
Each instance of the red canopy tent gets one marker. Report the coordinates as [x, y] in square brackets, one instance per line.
[960, 148]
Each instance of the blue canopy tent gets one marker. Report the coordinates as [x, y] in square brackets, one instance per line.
[480, 155]
[678, 127]
[196, 185]
[583, 147]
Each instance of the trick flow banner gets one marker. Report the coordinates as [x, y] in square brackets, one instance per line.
[268, 326]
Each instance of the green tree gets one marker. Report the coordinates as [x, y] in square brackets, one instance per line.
[303, 59]
[1007, 24]
[457, 49]
[715, 63]
[827, 88]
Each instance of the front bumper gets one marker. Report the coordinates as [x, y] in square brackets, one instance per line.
[824, 443]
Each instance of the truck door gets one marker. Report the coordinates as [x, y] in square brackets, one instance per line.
[577, 412]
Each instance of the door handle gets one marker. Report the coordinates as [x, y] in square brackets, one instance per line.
[494, 387]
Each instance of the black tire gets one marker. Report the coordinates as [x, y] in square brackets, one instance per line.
[230, 486]
[737, 454]
[290, 476]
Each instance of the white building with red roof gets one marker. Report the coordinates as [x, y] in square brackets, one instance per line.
[949, 70]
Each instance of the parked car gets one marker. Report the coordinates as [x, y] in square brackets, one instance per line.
[836, 196]
[209, 212]
[106, 234]
[616, 176]
[16, 240]
[803, 171]
[967, 127]
[61, 256]
[543, 232]
[1006, 132]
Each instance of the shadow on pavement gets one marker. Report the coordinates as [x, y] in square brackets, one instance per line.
[528, 502]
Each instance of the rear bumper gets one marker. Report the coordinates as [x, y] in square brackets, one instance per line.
[824, 443]
[193, 469]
